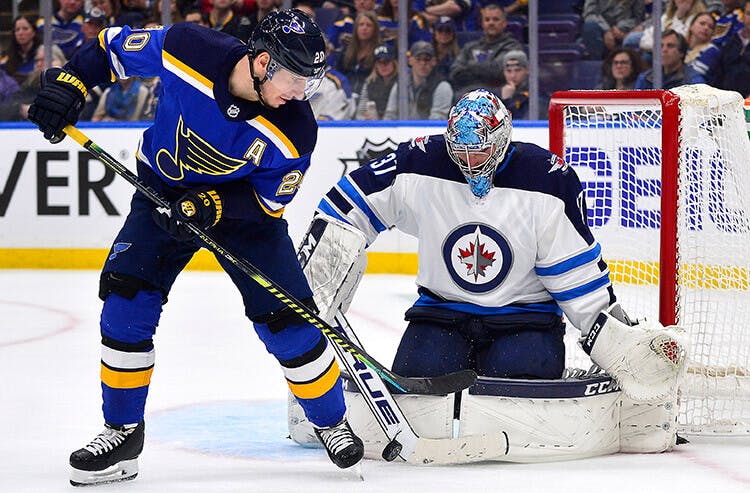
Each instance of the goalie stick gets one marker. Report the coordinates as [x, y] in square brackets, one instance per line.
[444, 384]
[403, 440]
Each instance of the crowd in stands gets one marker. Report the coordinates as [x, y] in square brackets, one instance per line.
[453, 46]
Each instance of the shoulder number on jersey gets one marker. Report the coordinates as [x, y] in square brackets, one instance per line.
[383, 165]
[290, 183]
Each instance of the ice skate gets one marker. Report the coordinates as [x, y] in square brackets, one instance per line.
[111, 456]
[344, 447]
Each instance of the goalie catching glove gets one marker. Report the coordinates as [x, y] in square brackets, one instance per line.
[201, 207]
[646, 358]
[58, 104]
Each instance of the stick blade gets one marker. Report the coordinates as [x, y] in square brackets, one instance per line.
[461, 450]
[439, 385]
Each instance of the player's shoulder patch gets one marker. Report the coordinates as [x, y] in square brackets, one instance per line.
[557, 164]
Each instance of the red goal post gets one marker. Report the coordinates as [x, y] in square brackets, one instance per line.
[666, 176]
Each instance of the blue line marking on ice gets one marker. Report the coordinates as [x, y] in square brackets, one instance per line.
[243, 429]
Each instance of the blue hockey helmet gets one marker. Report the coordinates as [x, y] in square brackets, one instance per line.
[477, 137]
[296, 47]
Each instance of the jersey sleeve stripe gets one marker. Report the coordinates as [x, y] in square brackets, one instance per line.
[268, 208]
[574, 262]
[327, 209]
[103, 46]
[105, 37]
[583, 289]
[277, 136]
[189, 75]
[348, 189]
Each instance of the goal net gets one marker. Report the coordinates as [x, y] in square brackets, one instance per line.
[667, 181]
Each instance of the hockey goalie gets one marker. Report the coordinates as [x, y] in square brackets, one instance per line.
[505, 253]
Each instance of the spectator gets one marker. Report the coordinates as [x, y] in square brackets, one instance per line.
[123, 101]
[341, 31]
[175, 15]
[377, 88]
[607, 22]
[262, 8]
[429, 95]
[514, 7]
[621, 69]
[17, 108]
[727, 24]
[116, 16]
[357, 60]
[674, 71]
[66, 26]
[18, 61]
[515, 92]
[418, 30]
[479, 63]
[94, 21]
[699, 35]
[223, 19]
[445, 43]
[678, 16]
[731, 71]
[135, 12]
[459, 10]
[333, 100]
[196, 16]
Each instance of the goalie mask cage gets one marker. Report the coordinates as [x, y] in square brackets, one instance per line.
[666, 176]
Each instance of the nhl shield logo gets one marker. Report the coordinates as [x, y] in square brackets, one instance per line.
[370, 150]
[477, 257]
[233, 111]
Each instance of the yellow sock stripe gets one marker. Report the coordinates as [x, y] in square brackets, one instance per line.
[126, 379]
[317, 387]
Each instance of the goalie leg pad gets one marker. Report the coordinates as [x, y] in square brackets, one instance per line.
[546, 420]
[333, 259]
[430, 416]
[648, 427]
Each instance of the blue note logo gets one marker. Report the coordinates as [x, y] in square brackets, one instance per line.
[118, 248]
[478, 257]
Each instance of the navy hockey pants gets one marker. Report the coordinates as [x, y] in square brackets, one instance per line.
[437, 342]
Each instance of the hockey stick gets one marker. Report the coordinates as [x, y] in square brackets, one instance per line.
[403, 441]
[444, 384]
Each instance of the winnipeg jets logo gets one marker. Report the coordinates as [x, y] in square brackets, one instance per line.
[233, 111]
[293, 27]
[557, 163]
[478, 257]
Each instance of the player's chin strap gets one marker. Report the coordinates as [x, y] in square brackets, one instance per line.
[257, 82]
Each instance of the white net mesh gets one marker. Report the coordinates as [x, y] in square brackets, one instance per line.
[616, 148]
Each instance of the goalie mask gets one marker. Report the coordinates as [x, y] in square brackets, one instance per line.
[297, 50]
[477, 138]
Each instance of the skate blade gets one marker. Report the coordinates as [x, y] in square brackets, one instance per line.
[122, 471]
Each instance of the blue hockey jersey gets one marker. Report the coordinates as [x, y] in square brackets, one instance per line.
[202, 134]
[526, 247]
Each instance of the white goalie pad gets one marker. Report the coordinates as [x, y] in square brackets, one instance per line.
[333, 259]
[583, 415]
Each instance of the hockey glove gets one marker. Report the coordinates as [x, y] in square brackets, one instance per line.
[201, 207]
[58, 103]
[647, 359]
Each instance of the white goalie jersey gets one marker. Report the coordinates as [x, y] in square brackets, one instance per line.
[525, 247]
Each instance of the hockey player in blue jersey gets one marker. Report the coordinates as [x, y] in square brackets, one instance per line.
[231, 141]
[500, 261]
